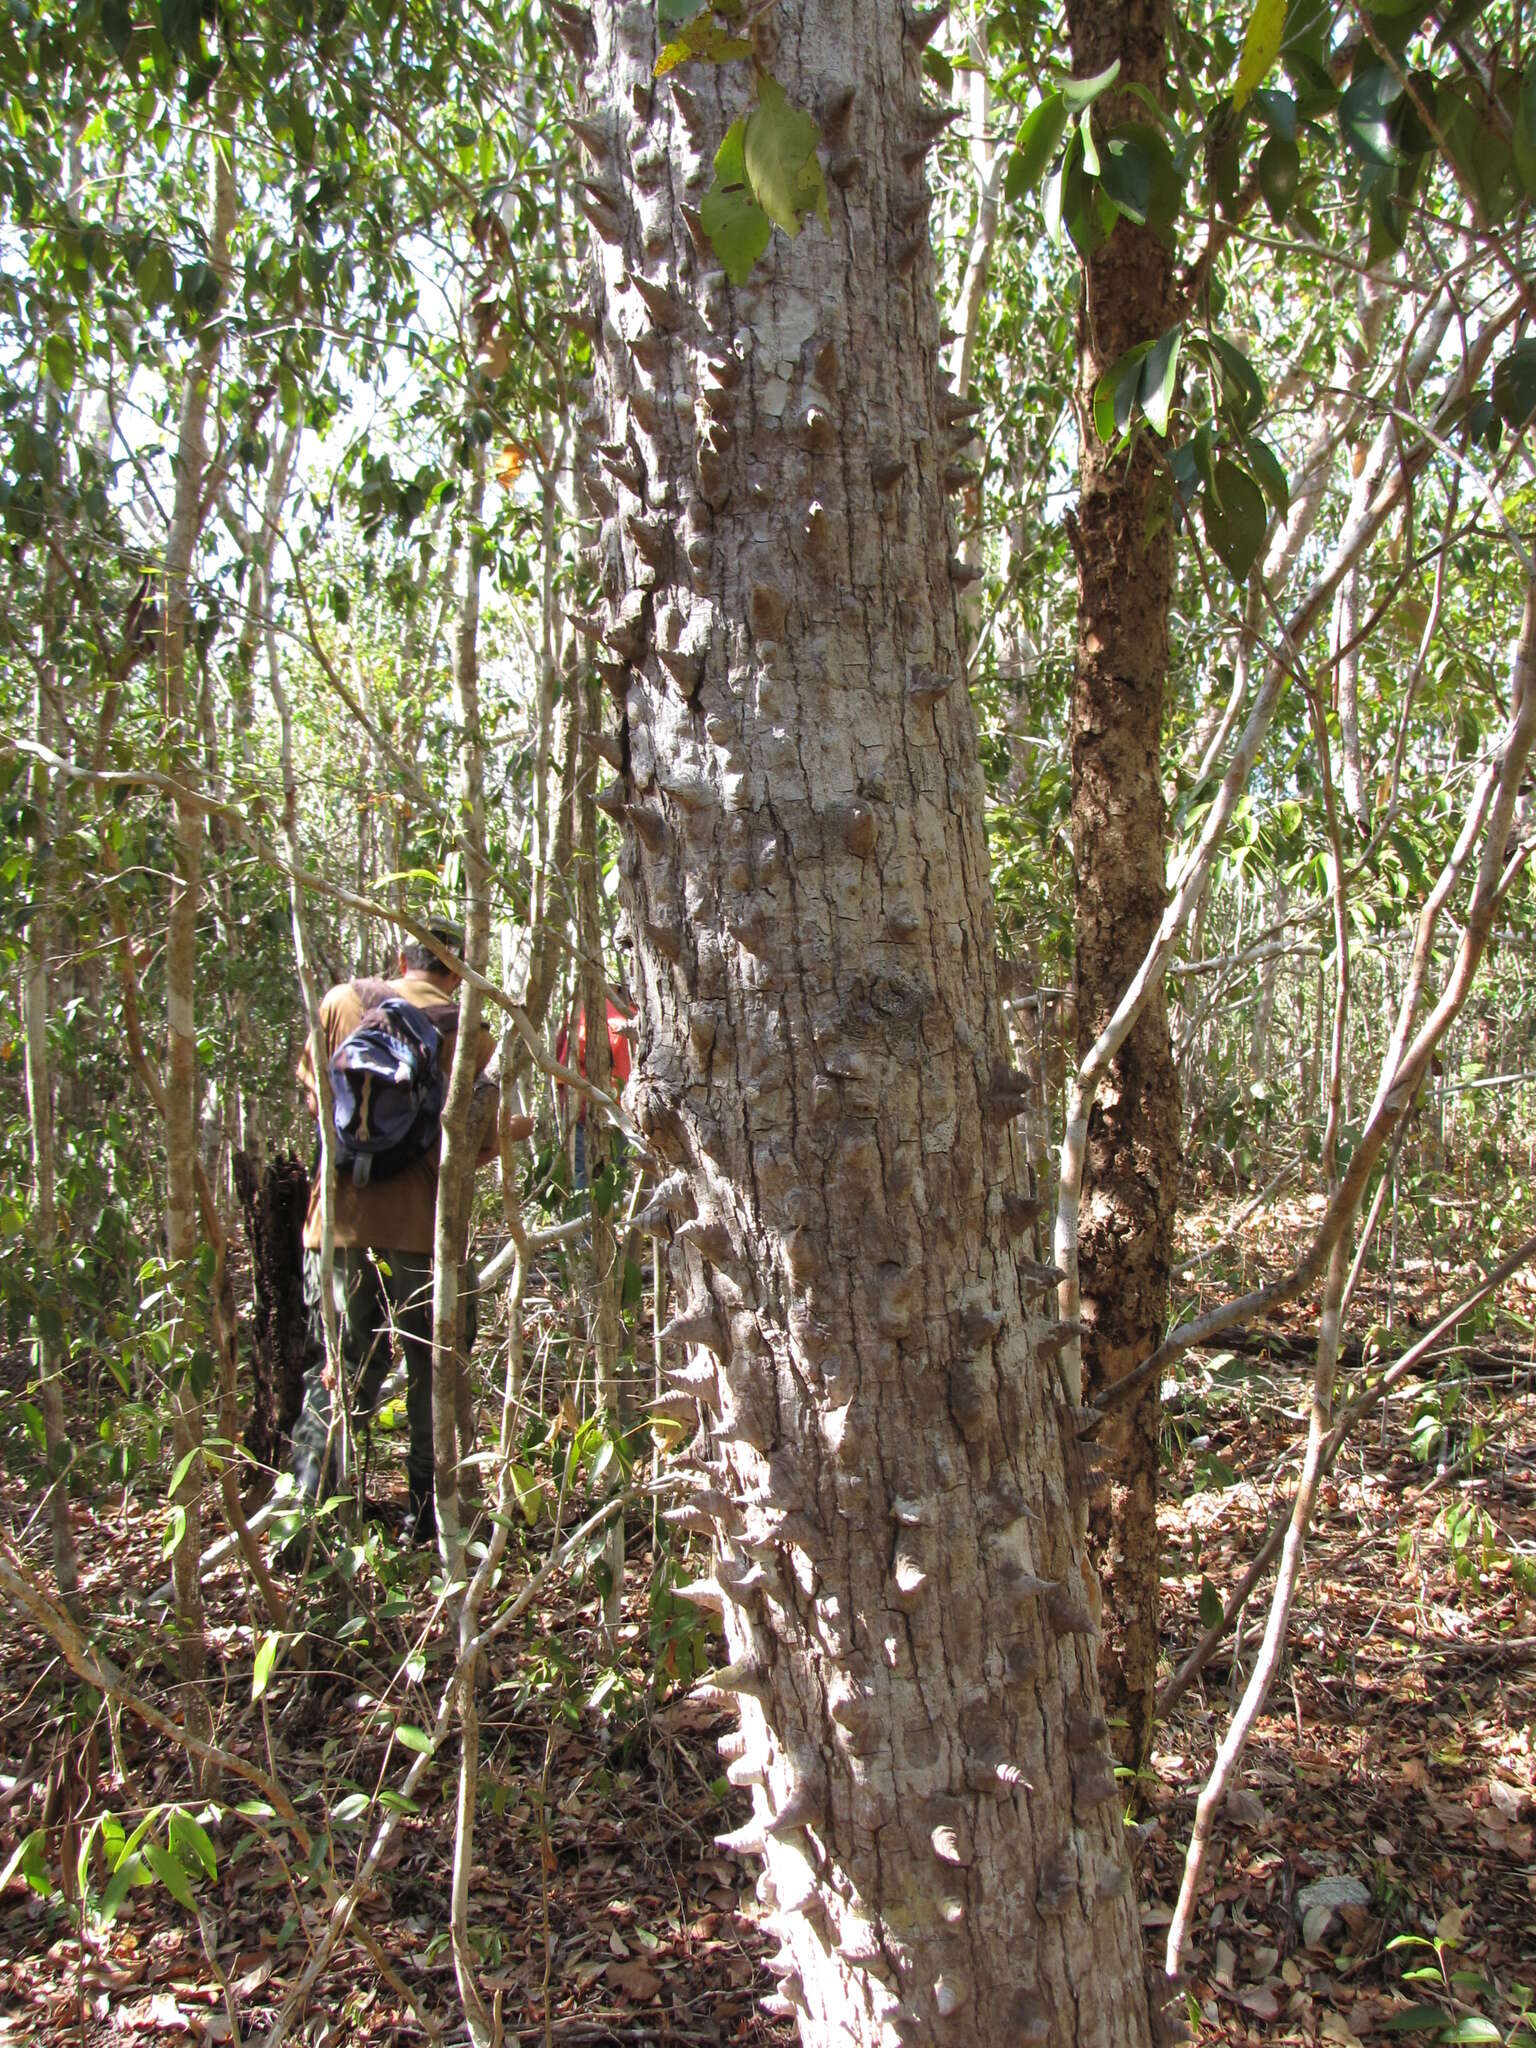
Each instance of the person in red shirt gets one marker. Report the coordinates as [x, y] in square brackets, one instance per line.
[620, 1016]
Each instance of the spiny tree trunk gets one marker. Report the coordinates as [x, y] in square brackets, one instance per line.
[1130, 1182]
[892, 1471]
[592, 994]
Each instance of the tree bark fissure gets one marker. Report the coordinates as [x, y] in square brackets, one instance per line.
[822, 1066]
[1131, 1166]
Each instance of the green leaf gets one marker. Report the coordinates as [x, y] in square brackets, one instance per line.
[938, 67]
[1525, 132]
[59, 355]
[1473, 2027]
[1090, 146]
[1277, 110]
[670, 13]
[413, 1738]
[1082, 92]
[128, 1873]
[1114, 396]
[737, 227]
[1126, 175]
[1235, 520]
[529, 1496]
[1514, 383]
[27, 1859]
[175, 1529]
[349, 1808]
[187, 1833]
[266, 1657]
[779, 151]
[1366, 114]
[1261, 46]
[1159, 379]
[1211, 1605]
[167, 1867]
[1279, 175]
[397, 1802]
[1266, 466]
[1242, 391]
[1037, 142]
[183, 1467]
[1414, 2021]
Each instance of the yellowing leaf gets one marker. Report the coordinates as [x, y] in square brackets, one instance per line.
[1261, 46]
[779, 152]
[509, 466]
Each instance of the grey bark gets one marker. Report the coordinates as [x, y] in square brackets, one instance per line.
[823, 1069]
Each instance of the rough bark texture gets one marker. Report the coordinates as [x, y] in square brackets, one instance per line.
[1130, 1182]
[891, 1471]
[273, 1203]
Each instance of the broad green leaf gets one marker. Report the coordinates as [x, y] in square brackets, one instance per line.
[1483, 155]
[1414, 2021]
[167, 1867]
[1082, 92]
[397, 1802]
[175, 1529]
[1159, 379]
[938, 67]
[1473, 2027]
[1525, 132]
[1261, 46]
[1242, 391]
[1514, 383]
[1266, 466]
[183, 1467]
[530, 1497]
[1114, 396]
[1366, 115]
[349, 1808]
[27, 1859]
[1211, 1605]
[1126, 175]
[1277, 110]
[1279, 175]
[266, 1657]
[1235, 525]
[413, 1738]
[59, 355]
[187, 1833]
[129, 1872]
[779, 151]
[737, 227]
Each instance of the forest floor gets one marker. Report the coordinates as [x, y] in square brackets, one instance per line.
[1398, 1751]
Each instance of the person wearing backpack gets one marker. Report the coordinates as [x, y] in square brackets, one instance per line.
[389, 1046]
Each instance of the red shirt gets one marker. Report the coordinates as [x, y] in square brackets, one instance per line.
[618, 1050]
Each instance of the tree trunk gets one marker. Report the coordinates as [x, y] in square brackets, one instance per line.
[181, 1063]
[822, 1067]
[607, 1275]
[1130, 1181]
[273, 1201]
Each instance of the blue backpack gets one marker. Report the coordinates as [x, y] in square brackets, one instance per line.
[387, 1083]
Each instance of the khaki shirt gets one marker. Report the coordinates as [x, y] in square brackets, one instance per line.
[398, 1214]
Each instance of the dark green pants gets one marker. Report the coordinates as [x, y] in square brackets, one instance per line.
[382, 1298]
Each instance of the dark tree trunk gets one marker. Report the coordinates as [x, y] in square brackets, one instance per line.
[1124, 544]
[890, 1472]
[273, 1201]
